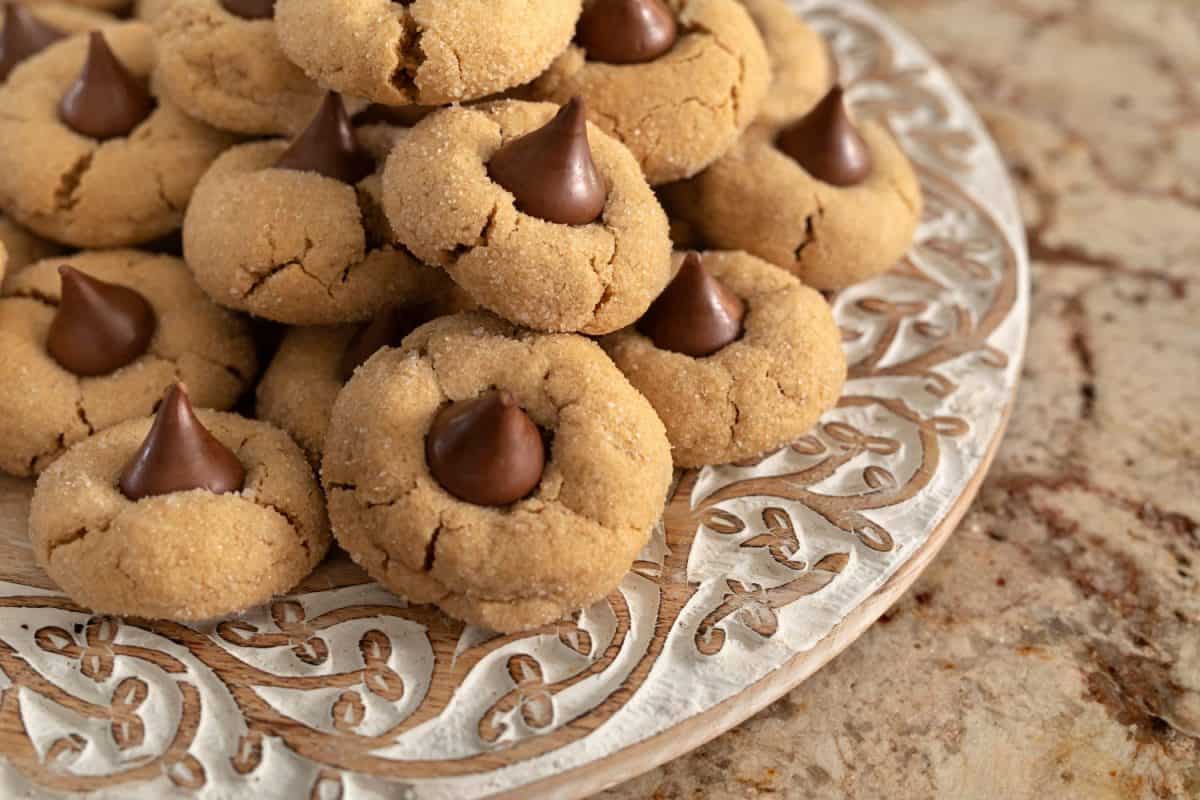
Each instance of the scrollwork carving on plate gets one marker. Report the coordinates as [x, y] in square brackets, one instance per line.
[338, 691]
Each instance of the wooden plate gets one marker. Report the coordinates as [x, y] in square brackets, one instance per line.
[758, 575]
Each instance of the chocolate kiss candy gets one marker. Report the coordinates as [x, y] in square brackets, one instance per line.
[695, 315]
[105, 101]
[179, 455]
[327, 146]
[99, 327]
[626, 31]
[23, 35]
[550, 171]
[486, 451]
[386, 330]
[250, 9]
[826, 143]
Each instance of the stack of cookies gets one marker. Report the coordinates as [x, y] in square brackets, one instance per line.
[402, 274]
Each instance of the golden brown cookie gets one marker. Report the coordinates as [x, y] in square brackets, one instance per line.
[427, 52]
[191, 555]
[229, 71]
[678, 113]
[444, 206]
[79, 190]
[312, 365]
[508, 568]
[761, 200]
[296, 246]
[801, 66]
[761, 391]
[44, 408]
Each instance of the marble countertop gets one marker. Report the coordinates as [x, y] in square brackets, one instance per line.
[1053, 649]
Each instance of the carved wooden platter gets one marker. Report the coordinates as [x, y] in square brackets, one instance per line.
[757, 576]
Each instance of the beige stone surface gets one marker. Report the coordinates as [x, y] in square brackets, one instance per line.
[1053, 649]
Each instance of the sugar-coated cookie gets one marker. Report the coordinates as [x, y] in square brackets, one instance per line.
[680, 108]
[427, 52]
[737, 357]
[509, 477]
[291, 232]
[88, 157]
[833, 202]
[466, 189]
[68, 369]
[188, 516]
[222, 63]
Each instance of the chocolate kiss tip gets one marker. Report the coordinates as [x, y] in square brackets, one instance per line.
[550, 171]
[627, 31]
[826, 143]
[105, 101]
[696, 314]
[99, 327]
[180, 455]
[23, 36]
[250, 9]
[328, 147]
[486, 451]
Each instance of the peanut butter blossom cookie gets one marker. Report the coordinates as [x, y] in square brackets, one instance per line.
[187, 516]
[95, 339]
[312, 365]
[675, 80]
[220, 60]
[507, 476]
[736, 356]
[539, 216]
[834, 202]
[88, 156]
[288, 231]
[427, 52]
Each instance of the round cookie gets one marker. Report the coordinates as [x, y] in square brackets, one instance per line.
[229, 71]
[44, 408]
[679, 112]
[187, 555]
[445, 207]
[760, 391]
[427, 52]
[509, 568]
[296, 246]
[308, 371]
[82, 191]
[801, 66]
[762, 200]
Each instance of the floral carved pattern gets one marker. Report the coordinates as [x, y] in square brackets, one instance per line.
[342, 688]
